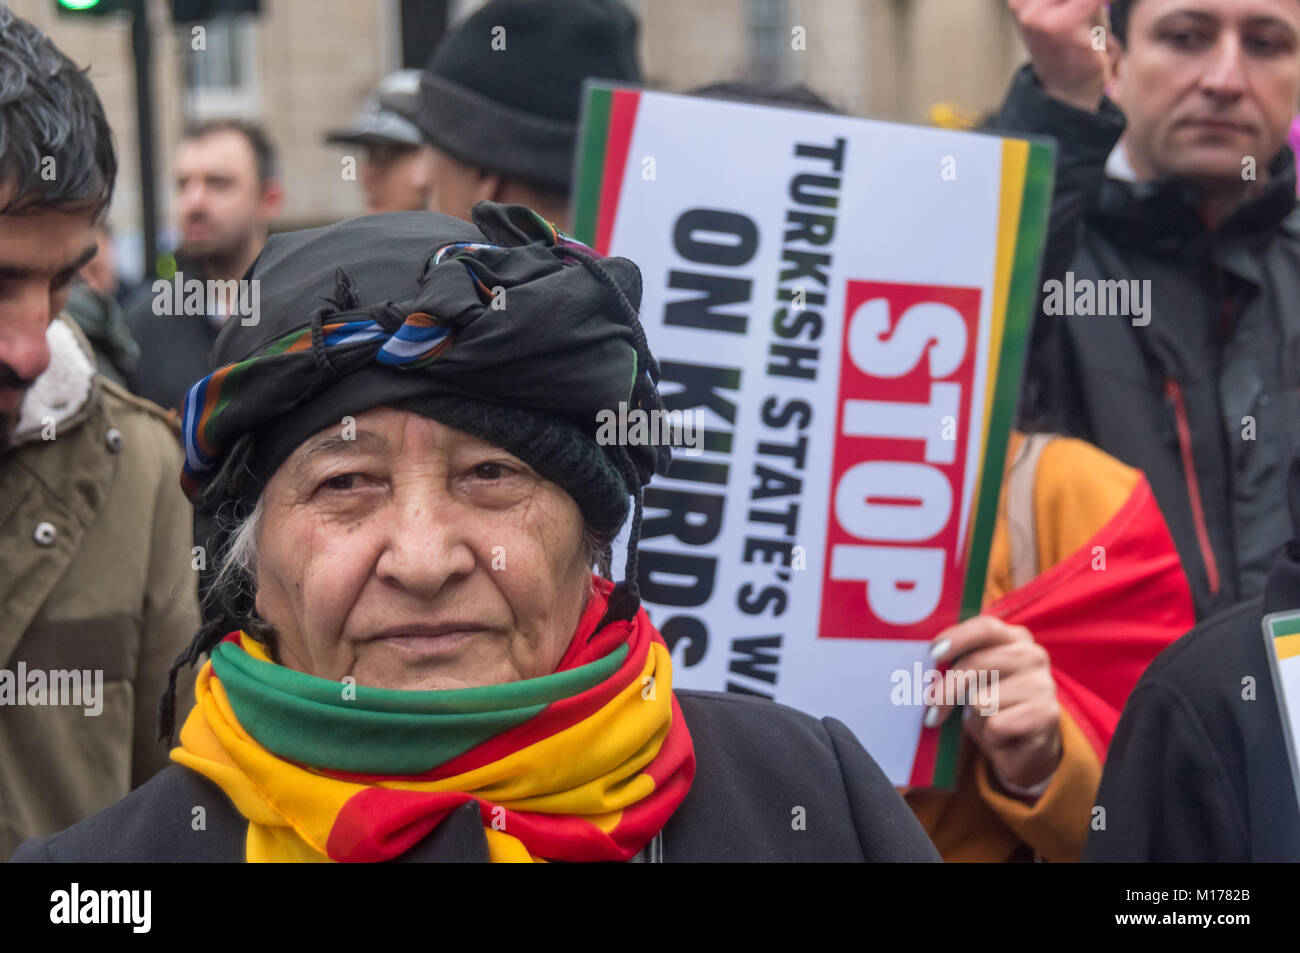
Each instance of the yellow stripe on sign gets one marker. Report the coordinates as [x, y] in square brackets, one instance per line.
[1288, 646]
[1015, 160]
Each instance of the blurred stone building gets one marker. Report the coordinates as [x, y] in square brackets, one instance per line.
[303, 66]
[884, 59]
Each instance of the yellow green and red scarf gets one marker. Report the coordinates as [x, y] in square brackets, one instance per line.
[585, 764]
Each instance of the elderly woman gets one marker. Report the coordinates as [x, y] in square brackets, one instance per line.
[410, 657]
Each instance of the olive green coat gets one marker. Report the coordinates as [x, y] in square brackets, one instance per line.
[95, 575]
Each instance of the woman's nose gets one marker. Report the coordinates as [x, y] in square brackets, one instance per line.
[426, 545]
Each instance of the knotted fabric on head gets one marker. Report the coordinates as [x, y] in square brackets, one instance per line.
[510, 331]
[413, 305]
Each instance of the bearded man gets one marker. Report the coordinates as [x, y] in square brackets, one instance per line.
[227, 194]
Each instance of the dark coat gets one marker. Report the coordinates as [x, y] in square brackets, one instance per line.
[757, 764]
[173, 350]
[1214, 378]
[117, 356]
[1196, 771]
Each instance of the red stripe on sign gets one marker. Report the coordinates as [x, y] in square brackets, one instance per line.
[927, 749]
[622, 119]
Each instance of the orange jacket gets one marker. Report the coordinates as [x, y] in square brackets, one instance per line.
[1077, 489]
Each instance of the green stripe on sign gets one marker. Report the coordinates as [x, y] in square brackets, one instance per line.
[1284, 627]
[1022, 294]
[945, 754]
[591, 163]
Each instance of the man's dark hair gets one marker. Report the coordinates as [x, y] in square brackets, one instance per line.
[56, 149]
[1119, 14]
[258, 141]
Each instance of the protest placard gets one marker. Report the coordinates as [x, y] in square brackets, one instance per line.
[841, 306]
[1282, 646]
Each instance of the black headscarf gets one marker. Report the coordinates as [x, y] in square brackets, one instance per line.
[508, 330]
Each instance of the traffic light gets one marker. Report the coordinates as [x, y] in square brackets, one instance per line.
[91, 8]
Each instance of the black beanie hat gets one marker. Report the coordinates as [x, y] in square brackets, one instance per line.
[504, 89]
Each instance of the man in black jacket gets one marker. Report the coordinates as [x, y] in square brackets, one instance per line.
[1198, 769]
[227, 194]
[1169, 334]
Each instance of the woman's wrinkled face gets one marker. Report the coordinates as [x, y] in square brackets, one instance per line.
[410, 555]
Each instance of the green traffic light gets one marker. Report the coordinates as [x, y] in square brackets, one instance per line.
[79, 4]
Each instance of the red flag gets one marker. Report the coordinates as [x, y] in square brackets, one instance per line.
[1105, 612]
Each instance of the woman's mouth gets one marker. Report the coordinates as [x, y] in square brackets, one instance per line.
[428, 640]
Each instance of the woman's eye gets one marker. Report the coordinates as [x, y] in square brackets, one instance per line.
[489, 471]
[343, 481]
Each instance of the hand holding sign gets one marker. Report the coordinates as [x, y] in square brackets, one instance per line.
[1020, 731]
[1068, 61]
